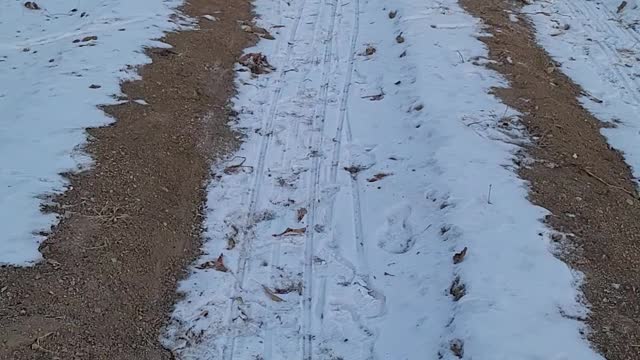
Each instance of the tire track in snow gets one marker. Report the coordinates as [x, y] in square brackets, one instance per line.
[628, 84]
[292, 141]
[229, 349]
[361, 270]
[318, 141]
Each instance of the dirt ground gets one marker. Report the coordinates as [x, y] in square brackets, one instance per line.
[583, 182]
[132, 223]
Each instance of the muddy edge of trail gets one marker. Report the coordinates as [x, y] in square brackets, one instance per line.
[133, 222]
[584, 183]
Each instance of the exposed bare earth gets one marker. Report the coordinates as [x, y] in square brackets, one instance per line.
[131, 224]
[586, 185]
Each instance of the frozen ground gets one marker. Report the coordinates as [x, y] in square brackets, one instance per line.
[373, 157]
[597, 44]
[57, 63]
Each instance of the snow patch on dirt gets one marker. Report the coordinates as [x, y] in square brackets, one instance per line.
[596, 44]
[57, 64]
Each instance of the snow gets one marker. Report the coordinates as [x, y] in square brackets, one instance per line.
[48, 62]
[599, 51]
[366, 272]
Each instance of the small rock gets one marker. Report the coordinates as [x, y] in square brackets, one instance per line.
[392, 14]
[629, 201]
[399, 39]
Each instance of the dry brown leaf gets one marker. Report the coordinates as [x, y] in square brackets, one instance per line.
[292, 232]
[257, 63]
[231, 243]
[271, 294]
[289, 289]
[457, 348]
[376, 97]
[370, 50]
[354, 170]
[301, 213]
[457, 289]
[32, 5]
[217, 265]
[621, 7]
[458, 257]
[379, 176]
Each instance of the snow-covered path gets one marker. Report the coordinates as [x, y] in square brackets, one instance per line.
[373, 156]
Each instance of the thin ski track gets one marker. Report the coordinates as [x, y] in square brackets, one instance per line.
[245, 243]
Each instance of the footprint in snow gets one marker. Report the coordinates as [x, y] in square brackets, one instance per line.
[396, 235]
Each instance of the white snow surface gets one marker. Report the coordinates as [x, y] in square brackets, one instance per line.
[597, 47]
[46, 101]
[368, 273]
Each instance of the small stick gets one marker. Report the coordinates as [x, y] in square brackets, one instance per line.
[489, 197]
[609, 185]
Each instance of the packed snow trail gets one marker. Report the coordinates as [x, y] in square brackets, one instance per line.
[596, 44]
[372, 158]
[57, 64]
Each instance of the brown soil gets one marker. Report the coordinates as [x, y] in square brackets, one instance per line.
[589, 193]
[132, 223]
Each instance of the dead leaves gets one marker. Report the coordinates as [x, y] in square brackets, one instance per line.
[378, 177]
[392, 14]
[85, 40]
[621, 7]
[354, 170]
[297, 287]
[89, 38]
[457, 289]
[234, 169]
[218, 264]
[400, 38]
[32, 5]
[376, 97]
[271, 294]
[459, 257]
[231, 238]
[457, 348]
[291, 232]
[257, 63]
[256, 30]
[370, 50]
[301, 214]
